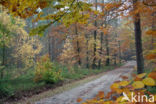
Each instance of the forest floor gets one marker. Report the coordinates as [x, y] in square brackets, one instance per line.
[90, 89]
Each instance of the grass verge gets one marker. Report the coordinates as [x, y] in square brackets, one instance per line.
[24, 87]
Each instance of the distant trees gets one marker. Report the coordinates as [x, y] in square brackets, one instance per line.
[97, 45]
[16, 46]
[87, 31]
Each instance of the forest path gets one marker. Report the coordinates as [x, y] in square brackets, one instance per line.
[91, 88]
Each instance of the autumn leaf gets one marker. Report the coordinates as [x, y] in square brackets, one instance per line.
[124, 77]
[141, 75]
[138, 84]
[149, 81]
[100, 94]
[114, 86]
[152, 75]
[124, 83]
[137, 79]
[79, 100]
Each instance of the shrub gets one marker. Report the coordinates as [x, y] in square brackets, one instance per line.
[46, 71]
[5, 89]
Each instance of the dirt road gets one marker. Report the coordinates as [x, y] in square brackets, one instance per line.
[90, 89]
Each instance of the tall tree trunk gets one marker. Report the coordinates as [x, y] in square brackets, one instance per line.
[138, 41]
[153, 28]
[49, 46]
[49, 40]
[107, 51]
[101, 41]
[115, 59]
[101, 49]
[87, 53]
[119, 50]
[77, 44]
[3, 58]
[95, 34]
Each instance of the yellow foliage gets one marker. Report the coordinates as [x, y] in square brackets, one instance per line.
[20, 7]
[149, 81]
[116, 95]
[114, 86]
[141, 75]
[138, 84]
[124, 83]
[26, 48]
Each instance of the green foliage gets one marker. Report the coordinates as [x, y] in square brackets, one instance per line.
[5, 88]
[39, 30]
[152, 89]
[46, 71]
[75, 73]
[10, 84]
[16, 82]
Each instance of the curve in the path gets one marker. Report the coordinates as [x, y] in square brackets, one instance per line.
[90, 89]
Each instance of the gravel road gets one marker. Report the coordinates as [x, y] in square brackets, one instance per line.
[90, 89]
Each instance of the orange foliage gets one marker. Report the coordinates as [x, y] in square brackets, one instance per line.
[100, 94]
[150, 56]
[151, 32]
[152, 75]
[79, 100]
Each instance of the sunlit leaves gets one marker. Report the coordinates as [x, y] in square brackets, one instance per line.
[23, 8]
[26, 49]
[124, 83]
[149, 81]
[141, 75]
[138, 84]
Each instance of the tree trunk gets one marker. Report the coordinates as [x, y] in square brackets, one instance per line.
[3, 58]
[77, 44]
[95, 34]
[138, 41]
[87, 54]
[119, 47]
[101, 49]
[107, 51]
[115, 59]
[101, 41]
[49, 46]
[153, 28]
